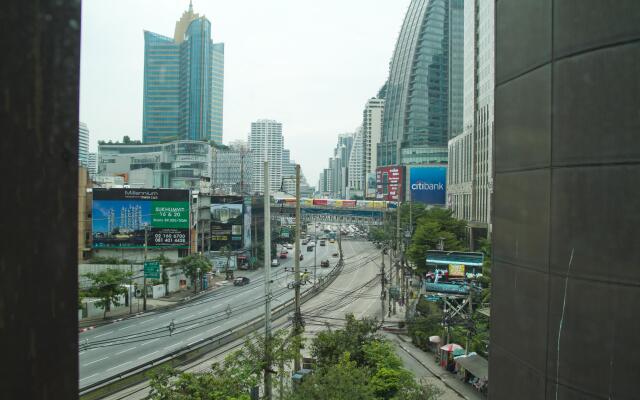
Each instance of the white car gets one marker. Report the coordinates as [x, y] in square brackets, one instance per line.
[289, 246]
[275, 262]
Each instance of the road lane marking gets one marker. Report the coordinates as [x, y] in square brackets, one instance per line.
[189, 344]
[173, 345]
[150, 354]
[95, 361]
[124, 351]
[186, 318]
[150, 341]
[103, 334]
[90, 376]
[119, 365]
[126, 327]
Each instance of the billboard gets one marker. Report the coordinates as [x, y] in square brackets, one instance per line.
[428, 185]
[247, 222]
[120, 217]
[389, 183]
[227, 222]
[370, 185]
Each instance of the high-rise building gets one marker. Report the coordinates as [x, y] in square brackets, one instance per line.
[83, 145]
[470, 179]
[355, 171]
[232, 168]
[423, 99]
[93, 165]
[372, 118]
[266, 144]
[183, 83]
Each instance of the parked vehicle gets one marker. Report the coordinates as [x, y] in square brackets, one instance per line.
[324, 264]
[241, 281]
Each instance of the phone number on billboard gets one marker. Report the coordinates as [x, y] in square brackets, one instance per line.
[170, 238]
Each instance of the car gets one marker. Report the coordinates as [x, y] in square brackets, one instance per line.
[324, 264]
[323, 243]
[283, 254]
[275, 262]
[289, 246]
[241, 281]
[332, 240]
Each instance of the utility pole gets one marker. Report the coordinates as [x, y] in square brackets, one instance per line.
[267, 283]
[382, 279]
[131, 288]
[315, 236]
[297, 319]
[144, 276]
[397, 251]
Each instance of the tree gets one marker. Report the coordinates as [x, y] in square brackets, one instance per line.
[231, 379]
[342, 380]
[108, 287]
[195, 265]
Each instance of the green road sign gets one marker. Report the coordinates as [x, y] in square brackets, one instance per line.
[285, 233]
[152, 269]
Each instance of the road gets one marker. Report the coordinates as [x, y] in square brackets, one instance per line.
[117, 347]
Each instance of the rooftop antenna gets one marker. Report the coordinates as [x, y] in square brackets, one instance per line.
[190, 6]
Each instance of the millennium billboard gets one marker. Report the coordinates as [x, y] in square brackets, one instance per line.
[227, 222]
[120, 218]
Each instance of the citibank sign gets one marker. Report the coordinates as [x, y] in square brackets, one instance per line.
[428, 184]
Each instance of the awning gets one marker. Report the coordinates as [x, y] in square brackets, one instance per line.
[475, 364]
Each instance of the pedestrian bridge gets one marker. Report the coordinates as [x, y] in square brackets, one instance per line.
[366, 212]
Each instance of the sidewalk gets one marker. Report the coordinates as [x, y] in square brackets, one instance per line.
[427, 360]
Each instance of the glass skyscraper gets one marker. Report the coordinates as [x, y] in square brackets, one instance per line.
[183, 83]
[424, 92]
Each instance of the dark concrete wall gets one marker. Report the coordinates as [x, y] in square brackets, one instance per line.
[566, 274]
[39, 72]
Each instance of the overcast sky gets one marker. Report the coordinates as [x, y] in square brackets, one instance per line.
[310, 64]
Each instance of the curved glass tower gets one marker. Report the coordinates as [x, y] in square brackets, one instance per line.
[423, 106]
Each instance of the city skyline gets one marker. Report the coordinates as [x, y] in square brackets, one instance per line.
[297, 81]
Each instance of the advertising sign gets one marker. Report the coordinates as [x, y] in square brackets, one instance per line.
[220, 263]
[227, 222]
[120, 217]
[428, 185]
[456, 270]
[152, 269]
[389, 183]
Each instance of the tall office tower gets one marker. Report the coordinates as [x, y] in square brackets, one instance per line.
[355, 169]
[232, 168]
[183, 83]
[372, 118]
[83, 145]
[288, 173]
[470, 178]
[93, 164]
[266, 144]
[423, 99]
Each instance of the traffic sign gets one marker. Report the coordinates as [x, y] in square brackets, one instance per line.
[152, 269]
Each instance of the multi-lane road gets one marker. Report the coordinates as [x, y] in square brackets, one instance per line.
[111, 349]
